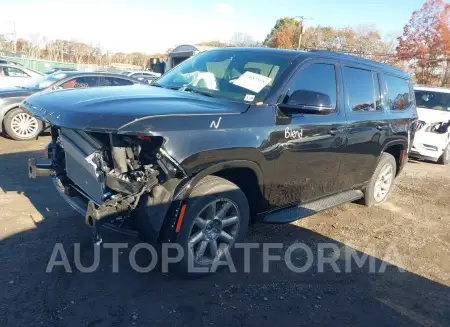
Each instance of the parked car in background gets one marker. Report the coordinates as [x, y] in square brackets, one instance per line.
[19, 125]
[144, 76]
[59, 69]
[14, 75]
[147, 79]
[432, 141]
[5, 61]
[229, 135]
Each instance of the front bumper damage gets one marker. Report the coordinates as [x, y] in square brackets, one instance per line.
[106, 215]
[104, 196]
[430, 140]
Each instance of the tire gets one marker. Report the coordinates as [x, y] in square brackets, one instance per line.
[210, 192]
[12, 122]
[373, 195]
[444, 159]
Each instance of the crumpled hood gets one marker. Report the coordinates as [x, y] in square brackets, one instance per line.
[433, 116]
[110, 108]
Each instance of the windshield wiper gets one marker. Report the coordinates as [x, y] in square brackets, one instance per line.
[165, 87]
[184, 89]
[191, 89]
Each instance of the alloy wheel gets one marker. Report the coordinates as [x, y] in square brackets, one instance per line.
[24, 125]
[214, 231]
[384, 182]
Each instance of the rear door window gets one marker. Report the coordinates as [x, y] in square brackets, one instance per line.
[362, 90]
[399, 96]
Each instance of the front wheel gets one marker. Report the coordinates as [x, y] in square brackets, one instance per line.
[216, 217]
[444, 159]
[21, 126]
[381, 182]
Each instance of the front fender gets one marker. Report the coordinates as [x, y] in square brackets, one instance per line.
[165, 229]
[187, 187]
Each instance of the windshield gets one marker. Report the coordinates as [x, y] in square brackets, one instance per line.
[433, 100]
[45, 81]
[244, 76]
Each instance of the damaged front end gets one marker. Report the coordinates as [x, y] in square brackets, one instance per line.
[431, 139]
[104, 175]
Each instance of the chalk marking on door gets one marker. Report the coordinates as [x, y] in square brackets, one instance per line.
[214, 124]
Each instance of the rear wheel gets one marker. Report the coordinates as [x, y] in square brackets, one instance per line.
[382, 180]
[444, 159]
[216, 217]
[21, 126]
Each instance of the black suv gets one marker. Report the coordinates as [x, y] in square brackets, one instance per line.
[225, 138]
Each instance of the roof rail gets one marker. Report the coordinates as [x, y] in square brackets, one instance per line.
[348, 56]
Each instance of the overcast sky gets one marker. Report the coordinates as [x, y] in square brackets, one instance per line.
[154, 26]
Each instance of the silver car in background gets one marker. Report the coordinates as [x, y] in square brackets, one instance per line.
[15, 75]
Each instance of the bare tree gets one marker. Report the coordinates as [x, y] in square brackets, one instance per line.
[217, 44]
[5, 44]
[240, 39]
[35, 45]
[52, 51]
[78, 51]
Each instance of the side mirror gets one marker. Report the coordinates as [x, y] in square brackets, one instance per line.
[302, 101]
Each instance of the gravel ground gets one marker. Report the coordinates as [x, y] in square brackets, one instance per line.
[408, 237]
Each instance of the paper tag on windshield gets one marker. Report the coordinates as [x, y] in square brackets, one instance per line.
[253, 82]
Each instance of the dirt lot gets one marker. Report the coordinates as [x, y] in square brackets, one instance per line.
[411, 231]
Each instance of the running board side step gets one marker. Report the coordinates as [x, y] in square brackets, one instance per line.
[291, 214]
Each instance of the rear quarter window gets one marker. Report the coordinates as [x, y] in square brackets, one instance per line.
[399, 95]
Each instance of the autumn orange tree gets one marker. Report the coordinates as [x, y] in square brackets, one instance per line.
[426, 42]
[283, 34]
[284, 39]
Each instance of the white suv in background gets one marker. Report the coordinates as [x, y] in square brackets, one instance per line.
[432, 139]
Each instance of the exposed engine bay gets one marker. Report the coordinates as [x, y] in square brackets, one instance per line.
[111, 172]
[438, 127]
[431, 139]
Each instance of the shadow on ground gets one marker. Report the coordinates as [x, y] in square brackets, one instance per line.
[32, 297]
